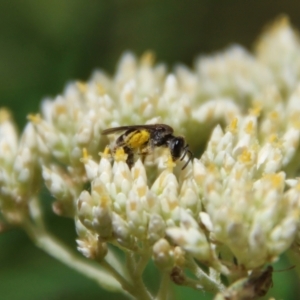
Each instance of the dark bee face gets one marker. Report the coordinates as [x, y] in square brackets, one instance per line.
[176, 146]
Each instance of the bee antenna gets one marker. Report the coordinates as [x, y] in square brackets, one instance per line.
[287, 269]
[185, 150]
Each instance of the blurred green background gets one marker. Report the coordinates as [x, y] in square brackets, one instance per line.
[45, 44]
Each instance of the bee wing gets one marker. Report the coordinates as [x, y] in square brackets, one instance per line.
[152, 127]
[116, 129]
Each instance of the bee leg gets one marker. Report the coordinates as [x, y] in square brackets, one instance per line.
[143, 157]
[144, 151]
[130, 157]
[130, 160]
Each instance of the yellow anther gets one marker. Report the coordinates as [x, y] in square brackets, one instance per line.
[249, 127]
[105, 153]
[5, 115]
[211, 168]
[275, 179]
[101, 89]
[273, 115]
[60, 109]
[133, 205]
[245, 157]
[170, 164]
[256, 109]
[82, 86]
[142, 191]
[232, 127]
[295, 119]
[129, 97]
[273, 138]
[84, 153]
[298, 185]
[102, 193]
[34, 118]
[148, 58]
[283, 21]
[85, 156]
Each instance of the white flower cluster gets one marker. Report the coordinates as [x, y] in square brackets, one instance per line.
[19, 169]
[236, 204]
[243, 192]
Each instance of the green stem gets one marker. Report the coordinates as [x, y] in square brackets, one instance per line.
[62, 253]
[141, 265]
[207, 283]
[105, 274]
[164, 289]
[126, 286]
[36, 229]
[112, 259]
[141, 291]
[36, 213]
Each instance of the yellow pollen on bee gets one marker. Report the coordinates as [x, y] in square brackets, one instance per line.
[137, 139]
[120, 154]
[34, 118]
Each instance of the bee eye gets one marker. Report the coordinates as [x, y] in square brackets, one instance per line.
[176, 146]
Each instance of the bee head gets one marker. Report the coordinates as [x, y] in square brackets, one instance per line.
[176, 146]
[178, 149]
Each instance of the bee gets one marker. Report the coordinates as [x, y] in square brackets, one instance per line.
[145, 138]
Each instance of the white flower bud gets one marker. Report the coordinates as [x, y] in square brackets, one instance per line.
[163, 255]
[156, 228]
[121, 231]
[190, 237]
